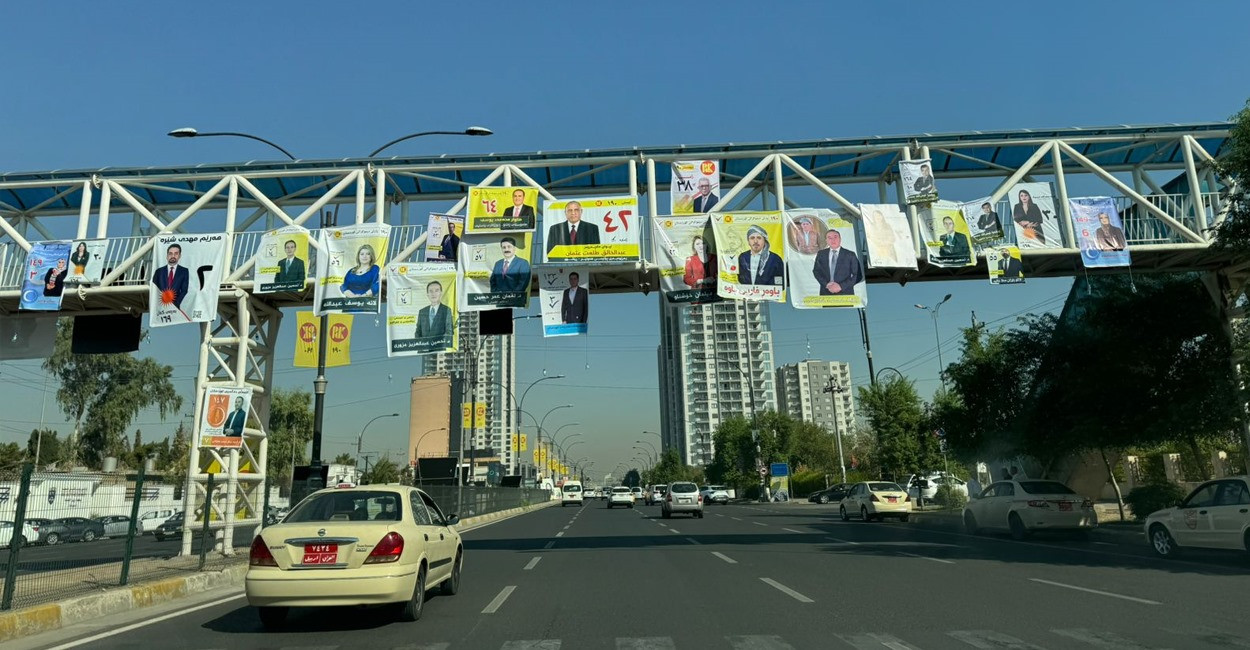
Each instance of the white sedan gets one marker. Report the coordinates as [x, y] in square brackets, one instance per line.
[29, 534]
[1215, 515]
[367, 545]
[621, 496]
[1023, 506]
[875, 500]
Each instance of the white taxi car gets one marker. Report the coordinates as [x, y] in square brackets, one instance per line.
[1023, 506]
[1215, 515]
[875, 500]
[367, 545]
[621, 496]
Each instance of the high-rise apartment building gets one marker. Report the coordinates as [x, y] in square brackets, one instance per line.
[801, 394]
[715, 362]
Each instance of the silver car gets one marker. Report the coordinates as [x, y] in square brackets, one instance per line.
[682, 497]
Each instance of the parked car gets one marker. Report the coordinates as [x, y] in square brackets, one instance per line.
[715, 494]
[170, 529]
[875, 500]
[1215, 515]
[682, 497]
[621, 496]
[367, 545]
[830, 494]
[27, 536]
[69, 529]
[571, 494]
[37, 526]
[115, 525]
[927, 486]
[1027, 505]
[149, 520]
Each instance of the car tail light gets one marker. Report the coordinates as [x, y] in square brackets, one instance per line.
[260, 555]
[907, 499]
[669, 497]
[1038, 503]
[700, 498]
[387, 550]
[874, 499]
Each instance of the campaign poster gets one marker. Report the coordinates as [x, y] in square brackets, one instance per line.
[43, 282]
[1004, 265]
[946, 235]
[828, 272]
[421, 314]
[502, 209]
[982, 219]
[592, 230]
[565, 296]
[1100, 232]
[496, 270]
[888, 235]
[186, 278]
[224, 417]
[752, 260]
[695, 186]
[685, 251]
[1033, 212]
[281, 261]
[307, 344]
[349, 269]
[86, 261]
[442, 237]
[916, 179]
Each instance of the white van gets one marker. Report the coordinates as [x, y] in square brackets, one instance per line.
[571, 492]
[150, 520]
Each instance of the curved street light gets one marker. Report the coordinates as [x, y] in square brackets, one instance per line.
[543, 421]
[568, 437]
[653, 449]
[416, 451]
[188, 132]
[519, 404]
[473, 130]
[933, 311]
[895, 372]
[360, 438]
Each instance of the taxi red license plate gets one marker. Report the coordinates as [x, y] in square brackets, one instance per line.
[1065, 505]
[892, 499]
[321, 553]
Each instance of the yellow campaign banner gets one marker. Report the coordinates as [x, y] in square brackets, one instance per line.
[338, 347]
[536, 461]
[525, 442]
[502, 209]
[468, 420]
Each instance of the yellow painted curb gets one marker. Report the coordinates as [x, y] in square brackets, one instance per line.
[31, 620]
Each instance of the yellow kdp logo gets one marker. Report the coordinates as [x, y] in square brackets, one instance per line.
[403, 270]
[668, 223]
[729, 218]
[338, 234]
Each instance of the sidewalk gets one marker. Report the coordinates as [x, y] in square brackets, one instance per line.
[952, 520]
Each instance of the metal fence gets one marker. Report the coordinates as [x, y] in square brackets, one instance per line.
[475, 501]
[81, 532]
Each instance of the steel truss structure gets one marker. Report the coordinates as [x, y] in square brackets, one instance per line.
[1169, 226]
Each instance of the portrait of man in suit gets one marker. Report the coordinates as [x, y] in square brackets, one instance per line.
[704, 200]
[955, 245]
[1009, 265]
[435, 323]
[572, 231]
[837, 270]
[758, 264]
[575, 306]
[510, 273]
[173, 277]
[518, 208]
[924, 182]
[290, 268]
[450, 244]
[236, 420]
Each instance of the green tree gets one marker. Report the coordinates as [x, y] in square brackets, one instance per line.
[632, 479]
[49, 447]
[1233, 235]
[174, 460]
[383, 471]
[290, 431]
[11, 456]
[345, 459]
[896, 415]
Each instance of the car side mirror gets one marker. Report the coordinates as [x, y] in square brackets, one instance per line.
[452, 520]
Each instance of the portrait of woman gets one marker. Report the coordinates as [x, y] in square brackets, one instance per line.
[362, 279]
[700, 267]
[79, 258]
[881, 238]
[1028, 216]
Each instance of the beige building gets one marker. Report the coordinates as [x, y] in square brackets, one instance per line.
[430, 426]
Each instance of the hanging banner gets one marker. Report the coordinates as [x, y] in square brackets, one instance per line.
[592, 230]
[752, 260]
[1004, 265]
[1033, 211]
[685, 251]
[338, 346]
[47, 265]
[349, 269]
[983, 221]
[224, 416]
[187, 279]
[496, 271]
[421, 313]
[1100, 232]
[565, 298]
[502, 209]
[916, 179]
[830, 275]
[695, 186]
[469, 419]
[442, 237]
[946, 235]
[281, 261]
[86, 261]
[888, 235]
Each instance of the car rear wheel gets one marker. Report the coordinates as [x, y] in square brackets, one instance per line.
[1162, 542]
[272, 617]
[970, 524]
[412, 609]
[1018, 531]
[842, 513]
[824, 498]
[863, 513]
[88, 536]
[53, 538]
[452, 584]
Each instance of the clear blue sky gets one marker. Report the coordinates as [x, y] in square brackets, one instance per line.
[92, 85]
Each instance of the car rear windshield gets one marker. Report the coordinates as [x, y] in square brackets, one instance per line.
[1045, 487]
[884, 487]
[357, 505]
[572, 488]
[684, 488]
[620, 490]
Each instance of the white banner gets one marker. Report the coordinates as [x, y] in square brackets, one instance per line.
[1004, 265]
[281, 261]
[421, 315]
[916, 179]
[86, 261]
[983, 222]
[752, 260]
[496, 270]
[565, 296]
[685, 251]
[888, 235]
[694, 187]
[1033, 211]
[186, 279]
[349, 269]
[946, 235]
[592, 230]
[829, 274]
[224, 417]
[442, 240]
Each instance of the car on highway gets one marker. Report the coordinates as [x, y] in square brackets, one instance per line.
[170, 529]
[149, 520]
[1024, 506]
[115, 525]
[70, 529]
[6, 533]
[682, 497]
[715, 494]
[655, 494]
[366, 545]
[831, 494]
[637, 492]
[571, 494]
[1215, 515]
[926, 487]
[621, 496]
[871, 500]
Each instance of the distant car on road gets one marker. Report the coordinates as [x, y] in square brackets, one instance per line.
[637, 492]
[69, 529]
[682, 497]
[27, 536]
[1215, 515]
[571, 494]
[870, 500]
[115, 525]
[715, 494]
[149, 520]
[170, 529]
[830, 494]
[621, 496]
[1027, 505]
[927, 486]
[655, 494]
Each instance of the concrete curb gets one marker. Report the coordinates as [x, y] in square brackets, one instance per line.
[51, 616]
[953, 521]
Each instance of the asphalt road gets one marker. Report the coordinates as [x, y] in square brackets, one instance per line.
[75, 555]
[753, 577]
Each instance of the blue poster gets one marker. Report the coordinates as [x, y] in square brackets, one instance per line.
[47, 265]
[1099, 232]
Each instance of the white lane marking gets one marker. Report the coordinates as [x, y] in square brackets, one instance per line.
[735, 519]
[550, 544]
[793, 530]
[533, 563]
[1095, 591]
[758, 642]
[1108, 640]
[718, 514]
[871, 641]
[1106, 544]
[566, 527]
[135, 626]
[724, 557]
[560, 534]
[672, 530]
[498, 601]
[757, 523]
[842, 541]
[991, 640]
[542, 644]
[787, 591]
[924, 557]
[692, 540]
[645, 643]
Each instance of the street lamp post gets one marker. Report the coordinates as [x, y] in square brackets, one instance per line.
[520, 403]
[416, 452]
[755, 429]
[933, 311]
[836, 389]
[653, 449]
[473, 130]
[544, 421]
[360, 438]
